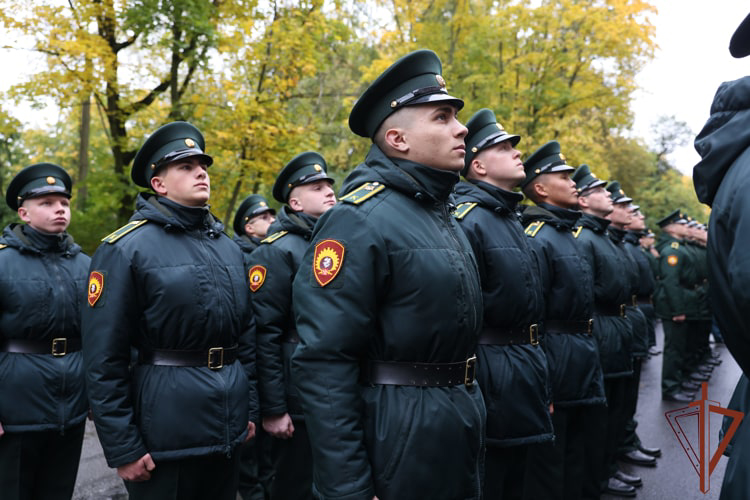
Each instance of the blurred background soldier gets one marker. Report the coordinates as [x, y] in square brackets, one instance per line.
[612, 329]
[629, 447]
[42, 395]
[173, 285]
[568, 468]
[250, 225]
[511, 366]
[306, 191]
[389, 306]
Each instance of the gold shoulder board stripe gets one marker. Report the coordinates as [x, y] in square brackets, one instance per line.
[577, 231]
[534, 228]
[363, 192]
[462, 209]
[2, 246]
[274, 237]
[130, 226]
[675, 245]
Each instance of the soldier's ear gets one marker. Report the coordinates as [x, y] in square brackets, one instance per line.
[158, 184]
[395, 138]
[478, 167]
[23, 213]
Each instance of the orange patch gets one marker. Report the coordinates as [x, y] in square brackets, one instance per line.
[96, 286]
[672, 260]
[256, 276]
[327, 261]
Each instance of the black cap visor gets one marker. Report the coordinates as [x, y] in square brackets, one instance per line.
[415, 97]
[181, 154]
[593, 185]
[497, 138]
[42, 191]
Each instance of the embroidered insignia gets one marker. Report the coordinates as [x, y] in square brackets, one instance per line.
[130, 226]
[462, 209]
[256, 276]
[672, 260]
[274, 237]
[362, 193]
[577, 232]
[96, 286]
[675, 245]
[189, 142]
[533, 228]
[327, 261]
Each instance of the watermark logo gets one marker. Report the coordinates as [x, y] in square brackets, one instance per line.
[703, 462]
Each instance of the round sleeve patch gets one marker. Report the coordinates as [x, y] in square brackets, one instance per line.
[327, 261]
[256, 276]
[96, 286]
[672, 260]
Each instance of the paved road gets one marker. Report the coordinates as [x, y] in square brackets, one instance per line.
[673, 478]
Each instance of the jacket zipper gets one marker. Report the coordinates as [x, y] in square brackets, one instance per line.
[63, 363]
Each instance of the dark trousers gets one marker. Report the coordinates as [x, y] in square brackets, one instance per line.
[292, 462]
[698, 348]
[630, 440]
[256, 469]
[648, 311]
[615, 389]
[41, 464]
[674, 358]
[504, 470]
[195, 478]
[569, 467]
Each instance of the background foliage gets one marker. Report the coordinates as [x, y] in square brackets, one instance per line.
[267, 79]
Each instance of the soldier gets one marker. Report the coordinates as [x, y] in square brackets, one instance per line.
[42, 395]
[670, 304]
[629, 449]
[305, 188]
[171, 284]
[612, 329]
[251, 223]
[569, 467]
[638, 244]
[512, 366]
[389, 307]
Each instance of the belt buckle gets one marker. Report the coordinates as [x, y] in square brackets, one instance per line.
[213, 353]
[591, 326]
[622, 310]
[470, 371]
[534, 334]
[56, 343]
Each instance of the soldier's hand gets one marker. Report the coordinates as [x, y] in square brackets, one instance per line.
[679, 318]
[250, 431]
[279, 426]
[2, 431]
[140, 470]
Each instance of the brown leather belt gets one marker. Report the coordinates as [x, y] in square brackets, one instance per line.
[57, 347]
[290, 336]
[419, 374]
[569, 326]
[214, 358]
[510, 336]
[610, 309]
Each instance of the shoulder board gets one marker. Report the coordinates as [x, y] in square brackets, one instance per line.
[275, 236]
[534, 228]
[3, 245]
[675, 245]
[462, 209]
[363, 192]
[130, 226]
[577, 231]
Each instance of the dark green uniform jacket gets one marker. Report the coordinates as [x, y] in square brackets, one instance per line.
[675, 288]
[722, 180]
[280, 254]
[42, 290]
[176, 282]
[407, 290]
[632, 272]
[702, 307]
[513, 378]
[643, 258]
[568, 287]
[611, 289]
[247, 245]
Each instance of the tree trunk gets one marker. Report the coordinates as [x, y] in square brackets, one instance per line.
[83, 152]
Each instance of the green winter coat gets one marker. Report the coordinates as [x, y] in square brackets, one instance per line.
[675, 287]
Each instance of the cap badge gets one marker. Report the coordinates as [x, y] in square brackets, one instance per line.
[96, 286]
[50, 180]
[537, 171]
[256, 276]
[189, 142]
[440, 80]
[474, 149]
[622, 192]
[500, 127]
[318, 168]
[562, 157]
[262, 204]
[327, 261]
[394, 104]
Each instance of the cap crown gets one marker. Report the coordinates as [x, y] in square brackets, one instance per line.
[37, 180]
[484, 131]
[304, 168]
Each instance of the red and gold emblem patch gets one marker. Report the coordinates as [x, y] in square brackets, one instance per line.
[96, 286]
[672, 260]
[327, 261]
[256, 275]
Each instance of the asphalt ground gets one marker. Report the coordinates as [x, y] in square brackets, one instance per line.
[673, 478]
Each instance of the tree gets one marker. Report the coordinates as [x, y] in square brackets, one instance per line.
[668, 134]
